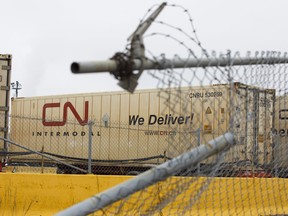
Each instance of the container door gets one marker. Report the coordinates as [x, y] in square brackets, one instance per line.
[264, 140]
[280, 133]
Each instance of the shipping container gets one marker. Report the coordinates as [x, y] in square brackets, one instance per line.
[5, 75]
[148, 126]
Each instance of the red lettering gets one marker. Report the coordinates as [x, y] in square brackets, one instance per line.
[65, 111]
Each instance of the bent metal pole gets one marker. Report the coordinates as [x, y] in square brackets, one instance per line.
[150, 177]
[112, 65]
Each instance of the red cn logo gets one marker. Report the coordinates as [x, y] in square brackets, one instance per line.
[65, 110]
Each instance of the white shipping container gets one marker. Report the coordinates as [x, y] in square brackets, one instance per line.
[147, 123]
[5, 74]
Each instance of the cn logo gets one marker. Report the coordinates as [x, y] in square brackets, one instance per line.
[65, 110]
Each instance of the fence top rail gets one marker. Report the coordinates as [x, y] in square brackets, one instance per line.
[148, 64]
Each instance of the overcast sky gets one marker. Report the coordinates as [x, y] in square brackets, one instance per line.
[45, 37]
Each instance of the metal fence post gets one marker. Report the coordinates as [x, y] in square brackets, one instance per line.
[90, 125]
[198, 144]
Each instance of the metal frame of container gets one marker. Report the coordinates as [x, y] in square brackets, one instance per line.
[5, 76]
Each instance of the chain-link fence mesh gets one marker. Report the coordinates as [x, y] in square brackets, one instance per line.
[132, 133]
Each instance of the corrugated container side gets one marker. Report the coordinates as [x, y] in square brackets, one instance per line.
[144, 124]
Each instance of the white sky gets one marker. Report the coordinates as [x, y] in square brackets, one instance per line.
[45, 37]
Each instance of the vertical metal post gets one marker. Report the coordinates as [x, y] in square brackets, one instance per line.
[231, 99]
[42, 160]
[274, 137]
[90, 125]
[248, 118]
[265, 145]
[198, 144]
[275, 152]
[255, 126]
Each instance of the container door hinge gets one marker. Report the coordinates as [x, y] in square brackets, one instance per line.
[4, 108]
[5, 129]
[5, 88]
[6, 67]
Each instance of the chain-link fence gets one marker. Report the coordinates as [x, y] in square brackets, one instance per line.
[127, 134]
[213, 93]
